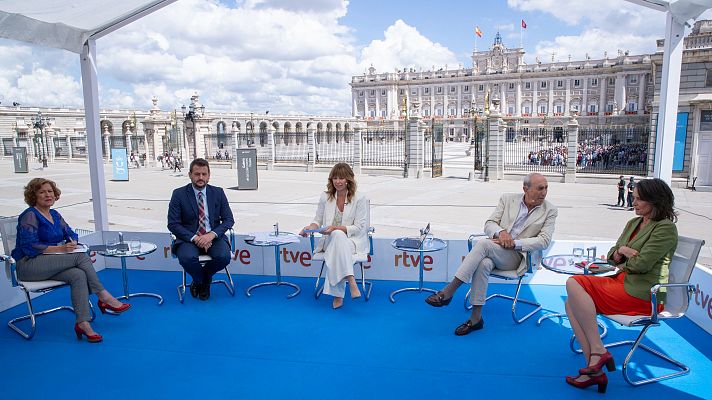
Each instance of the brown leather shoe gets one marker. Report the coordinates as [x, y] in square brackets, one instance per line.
[438, 300]
[468, 327]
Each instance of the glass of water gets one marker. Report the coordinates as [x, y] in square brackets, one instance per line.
[135, 246]
[111, 247]
[578, 254]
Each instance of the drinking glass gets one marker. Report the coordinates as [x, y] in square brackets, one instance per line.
[111, 247]
[578, 253]
[135, 246]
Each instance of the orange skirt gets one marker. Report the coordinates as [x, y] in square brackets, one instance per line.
[609, 295]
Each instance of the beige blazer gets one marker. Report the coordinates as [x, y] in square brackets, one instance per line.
[354, 219]
[538, 228]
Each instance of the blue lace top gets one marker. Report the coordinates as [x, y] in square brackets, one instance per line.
[35, 233]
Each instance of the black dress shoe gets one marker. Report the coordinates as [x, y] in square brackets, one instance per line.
[438, 300]
[468, 327]
[194, 289]
[204, 293]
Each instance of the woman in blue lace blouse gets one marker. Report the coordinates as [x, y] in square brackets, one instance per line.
[45, 250]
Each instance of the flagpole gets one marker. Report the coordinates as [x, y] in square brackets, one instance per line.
[521, 36]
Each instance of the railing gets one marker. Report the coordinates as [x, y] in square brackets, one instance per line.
[290, 147]
[219, 146]
[542, 149]
[255, 140]
[428, 148]
[613, 150]
[383, 148]
[334, 147]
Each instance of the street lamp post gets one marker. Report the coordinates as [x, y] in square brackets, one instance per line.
[194, 112]
[40, 122]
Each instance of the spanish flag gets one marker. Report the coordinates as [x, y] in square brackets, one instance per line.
[478, 32]
[524, 25]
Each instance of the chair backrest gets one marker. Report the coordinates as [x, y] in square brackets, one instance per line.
[680, 270]
[8, 232]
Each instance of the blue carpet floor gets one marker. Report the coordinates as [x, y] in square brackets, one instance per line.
[270, 347]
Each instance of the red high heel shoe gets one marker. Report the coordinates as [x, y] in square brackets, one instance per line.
[600, 380]
[104, 306]
[604, 358]
[95, 338]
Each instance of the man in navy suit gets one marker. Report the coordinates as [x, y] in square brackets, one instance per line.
[198, 216]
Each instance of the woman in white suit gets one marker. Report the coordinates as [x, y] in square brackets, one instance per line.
[342, 213]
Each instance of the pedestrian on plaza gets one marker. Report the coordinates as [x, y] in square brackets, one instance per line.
[621, 192]
[199, 215]
[631, 186]
[341, 219]
[46, 248]
[177, 163]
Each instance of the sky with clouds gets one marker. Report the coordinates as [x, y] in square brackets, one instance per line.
[298, 57]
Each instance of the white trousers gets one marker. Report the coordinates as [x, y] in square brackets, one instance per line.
[339, 253]
[478, 264]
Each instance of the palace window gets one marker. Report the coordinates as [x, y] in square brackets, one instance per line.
[511, 87]
[593, 108]
[402, 92]
[383, 92]
[510, 110]
[708, 78]
[360, 93]
[452, 89]
[577, 82]
[632, 106]
[609, 107]
[527, 85]
[542, 84]
[611, 81]
[559, 84]
[559, 109]
[426, 90]
[633, 79]
[384, 113]
[466, 88]
[542, 109]
[527, 110]
[426, 111]
[373, 93]
[438, 112]
[372, 113]
[481, 88]
[452, 112]
[414, 92]
[439, 90]
[594, 82]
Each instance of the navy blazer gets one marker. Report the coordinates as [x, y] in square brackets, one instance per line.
[183, 213]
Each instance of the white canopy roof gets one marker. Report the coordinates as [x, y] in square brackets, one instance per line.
[682, 10]
[69, 24]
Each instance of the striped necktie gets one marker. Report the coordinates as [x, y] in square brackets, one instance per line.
[201, 215]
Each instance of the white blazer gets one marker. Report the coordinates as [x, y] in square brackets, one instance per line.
[354, 219]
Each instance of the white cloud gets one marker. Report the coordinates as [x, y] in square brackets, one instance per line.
[403, 46]
[607, 26]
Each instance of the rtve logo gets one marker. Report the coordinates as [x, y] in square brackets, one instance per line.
[304, 258]
[404, 259]
[703, 300]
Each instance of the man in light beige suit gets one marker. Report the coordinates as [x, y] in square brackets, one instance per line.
[518, 224]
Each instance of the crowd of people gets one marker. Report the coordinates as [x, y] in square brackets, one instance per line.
[199, 215]
[603, 157]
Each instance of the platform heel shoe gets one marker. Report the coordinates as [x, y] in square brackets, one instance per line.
[95, 338]
[604, 359]
[600, 380]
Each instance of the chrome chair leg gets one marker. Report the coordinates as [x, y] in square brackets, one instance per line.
[514, 299]
[318, 288]
[32, 316]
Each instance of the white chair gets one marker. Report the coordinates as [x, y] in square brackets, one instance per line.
[359, 259]
[678, 291]
[508, 275]
[8, 231]
[202, 259]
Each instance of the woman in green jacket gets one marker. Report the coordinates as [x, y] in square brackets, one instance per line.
[642, 254]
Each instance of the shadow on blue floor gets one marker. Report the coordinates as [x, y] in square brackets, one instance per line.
[268, 346]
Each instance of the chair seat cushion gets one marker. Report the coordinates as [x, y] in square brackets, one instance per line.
[631, 320]
[504, 274]
[358, 257]
[34, 286]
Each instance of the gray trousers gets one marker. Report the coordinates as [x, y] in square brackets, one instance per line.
[478, 264]
[75, 268]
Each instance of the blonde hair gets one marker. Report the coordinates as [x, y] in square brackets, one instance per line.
[343, 171]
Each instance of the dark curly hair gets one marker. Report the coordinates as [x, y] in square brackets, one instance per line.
[34, 186]
[656, 192]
